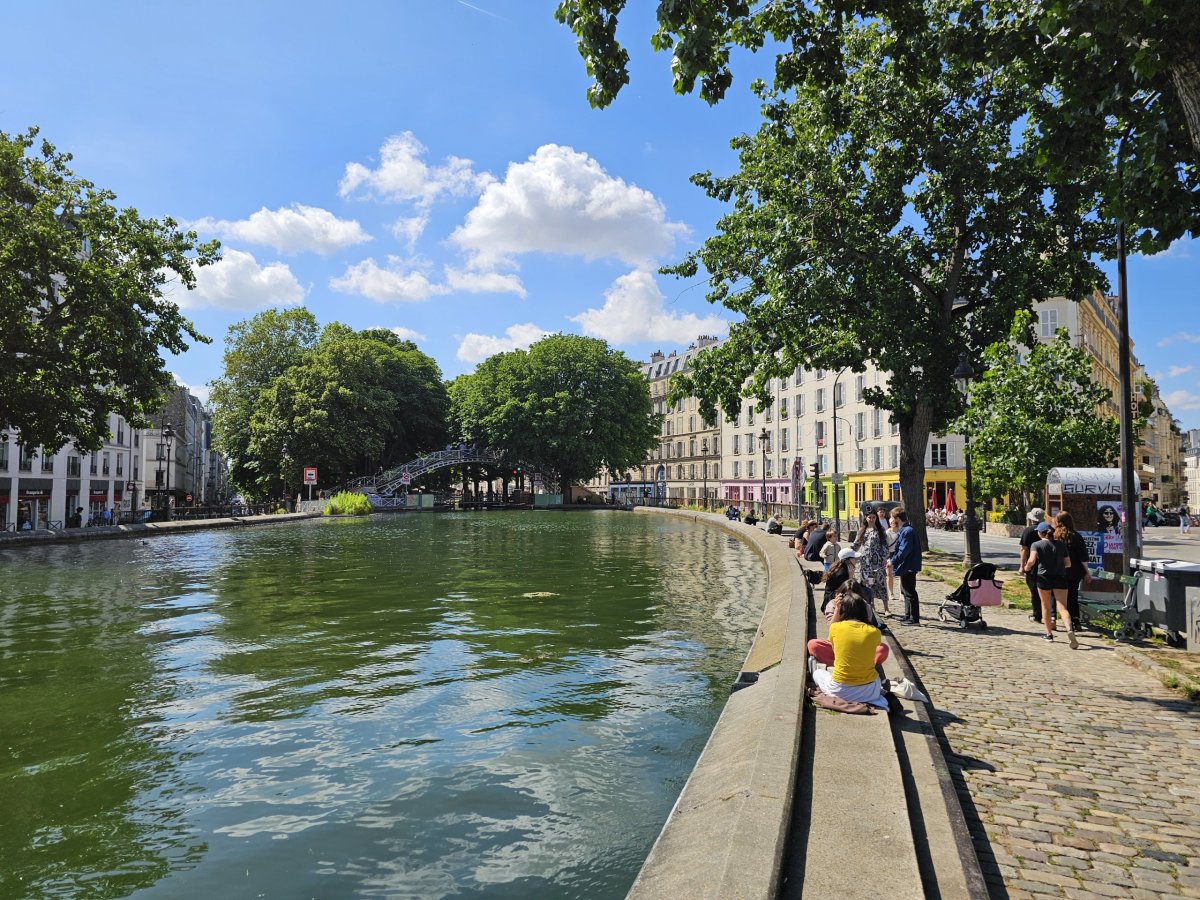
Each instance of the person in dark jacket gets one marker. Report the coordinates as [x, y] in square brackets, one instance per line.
[1077, 572]
[813, 543]
[1035, 517]
[906, 563]
[1050, 559]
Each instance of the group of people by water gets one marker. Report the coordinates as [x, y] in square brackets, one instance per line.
[856, 576]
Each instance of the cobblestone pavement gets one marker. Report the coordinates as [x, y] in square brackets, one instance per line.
[1079, 774]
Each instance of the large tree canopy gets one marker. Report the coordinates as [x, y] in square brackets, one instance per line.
[257, 351]
[893, 218]
[343, 401]
[569, 407]
[1032, 411]
[83, 316]
[1112, 77]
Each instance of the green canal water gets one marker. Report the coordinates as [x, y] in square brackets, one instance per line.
[496, 705]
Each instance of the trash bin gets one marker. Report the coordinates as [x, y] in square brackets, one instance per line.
[1163, 592]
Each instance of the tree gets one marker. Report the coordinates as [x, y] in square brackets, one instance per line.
[569, 406]
[354, 397]
[83, 316]
[1031, 412]
[893, 218]
[257, 351]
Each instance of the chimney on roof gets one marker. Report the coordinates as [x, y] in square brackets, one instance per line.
[657, 356]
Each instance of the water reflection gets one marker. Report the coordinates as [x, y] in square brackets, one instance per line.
[403, 706]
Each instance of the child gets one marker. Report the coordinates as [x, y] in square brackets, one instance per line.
[831, 548]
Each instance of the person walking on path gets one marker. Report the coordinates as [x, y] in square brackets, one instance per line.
[1077, 572]
[1050, 559]
[906, 564]
[1185, 520]
[871, 545]
[1035, 517]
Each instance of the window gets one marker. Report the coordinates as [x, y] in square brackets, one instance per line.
[692, 471]
[737, 443]
[894, 456]
[691, 423]
[749, 415]
[770, 468]
[737, 420]
[767, 413]
[860, 426]
[717, 445]
[799, 405]
[839, 395]
[819, 433]
[877, 459]
[937, 454]
[136, 439]
[749, 443]
[877, 491]
[47, 461]
[717, 470]
[27, 455]
[92, 464]
[1047, 323]
[737, 469]
[819, 400]
[692, 447]
[4, 454]
[820, 374]
[679, 473]
[799, 375]
[72, 467]
[821, 463]
[859, 384]
[783, 408]
[783, 440]
[120, 463]
[135, 469]
[860, 459]
[894, 494]
[876, 423]
[750, 469]
[679, 448]
[895, 427]
[783, 383]
[860, 492]
[120, 431]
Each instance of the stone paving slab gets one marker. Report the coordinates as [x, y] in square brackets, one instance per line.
[1079, 775]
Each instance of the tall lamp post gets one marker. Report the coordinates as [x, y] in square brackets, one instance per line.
[963, 375]
[704, 454]
[168, 436]
[762, 440]
[837, 505]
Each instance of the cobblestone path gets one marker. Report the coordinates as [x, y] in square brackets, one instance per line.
[1079, 774]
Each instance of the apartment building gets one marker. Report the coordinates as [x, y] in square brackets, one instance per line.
[40, 489]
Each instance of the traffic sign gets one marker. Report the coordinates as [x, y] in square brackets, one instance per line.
[310, 475]
[406, 479]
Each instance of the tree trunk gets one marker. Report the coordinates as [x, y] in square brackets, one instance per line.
[1186, 76]
[564, 487]
[914, 439]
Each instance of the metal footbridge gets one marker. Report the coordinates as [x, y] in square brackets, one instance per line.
[386, 483]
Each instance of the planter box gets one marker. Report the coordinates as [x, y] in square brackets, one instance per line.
[1004, 530]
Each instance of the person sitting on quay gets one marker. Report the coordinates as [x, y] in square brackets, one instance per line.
[814, 542]
[774, 526]
[751, 518]
[855, 647]
[841, 575]
[731, 513]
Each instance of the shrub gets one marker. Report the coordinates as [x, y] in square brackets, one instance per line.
[348, 503]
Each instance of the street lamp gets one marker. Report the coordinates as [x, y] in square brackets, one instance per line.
[762, 440]
[168, 436]
[963, 375]
[704, 454]
[837, 507]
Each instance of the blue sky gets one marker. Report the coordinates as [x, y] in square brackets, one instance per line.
[430, 166]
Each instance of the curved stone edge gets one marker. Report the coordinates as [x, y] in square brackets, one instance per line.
[727, 833]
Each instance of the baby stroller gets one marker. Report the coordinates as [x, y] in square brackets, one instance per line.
[978, 589]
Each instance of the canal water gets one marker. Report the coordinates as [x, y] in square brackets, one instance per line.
[497, 705]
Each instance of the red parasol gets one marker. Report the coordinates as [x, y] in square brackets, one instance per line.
[951, 506]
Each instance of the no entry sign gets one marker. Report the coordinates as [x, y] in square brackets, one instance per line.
[310, 475]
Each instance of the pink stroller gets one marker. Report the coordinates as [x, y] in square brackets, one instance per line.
[978, 589]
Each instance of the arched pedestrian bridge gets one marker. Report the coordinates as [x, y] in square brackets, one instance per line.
[400, 477]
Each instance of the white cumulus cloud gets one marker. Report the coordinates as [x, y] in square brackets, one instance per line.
[1182, 336]
[407, 334]
[397, 283]
[295, 229]
[484, 282]
[402, 175]
[199, 391]
[478, 347]
[562, 201]
[1176, 371]
[634, 311]
[238, 282]
[1182, 400]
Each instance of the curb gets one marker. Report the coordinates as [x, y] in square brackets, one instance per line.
[1139, 660]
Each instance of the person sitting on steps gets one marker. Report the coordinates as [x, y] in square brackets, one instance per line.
[855, 647]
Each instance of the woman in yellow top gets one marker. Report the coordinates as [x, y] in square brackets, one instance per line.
[855, 647]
